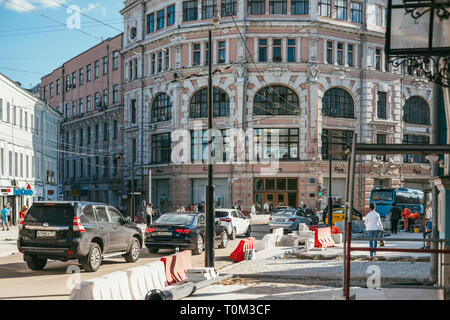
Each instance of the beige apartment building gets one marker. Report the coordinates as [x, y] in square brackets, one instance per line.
[87, 90]
[306, 70]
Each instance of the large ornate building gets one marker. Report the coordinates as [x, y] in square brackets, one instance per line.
[312, 72]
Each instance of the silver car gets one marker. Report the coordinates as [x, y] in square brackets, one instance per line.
[288, 219]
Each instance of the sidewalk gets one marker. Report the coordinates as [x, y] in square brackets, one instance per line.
[8, 241]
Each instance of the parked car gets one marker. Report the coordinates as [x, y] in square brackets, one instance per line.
[278, 209]
[310, 214]
[182, 230]
[69, 230]
[288, 219]
[339, 212]
[235, 222]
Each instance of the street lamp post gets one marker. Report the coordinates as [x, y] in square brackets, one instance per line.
[210, 216]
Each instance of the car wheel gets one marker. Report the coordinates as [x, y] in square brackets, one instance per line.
[224, 240]
[233, 234]
[153, 250]
[249, 231]
[135, 250]
[93, 260]
[35, 263]
[199, 245]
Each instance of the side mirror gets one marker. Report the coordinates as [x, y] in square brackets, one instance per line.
[218, 223]
[127, 220]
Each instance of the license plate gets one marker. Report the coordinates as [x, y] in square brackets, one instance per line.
[45, 234]
[164, 233]
[279, 220]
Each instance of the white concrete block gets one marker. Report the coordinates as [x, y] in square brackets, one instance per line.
[93, 289]
[118, 283]
[158, 274]
[137, 280]
[278, 233]
[307, 234]
[302, 227]
[268, 241]
[337, 238]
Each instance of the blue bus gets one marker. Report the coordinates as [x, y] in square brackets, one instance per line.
[403, 197]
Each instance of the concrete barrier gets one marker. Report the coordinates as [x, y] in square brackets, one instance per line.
[158, 275]
[93, 289]
[337, 238]
[118, 284]
[302, 227]
[239, 253]
[278, 233]
[168, 260]
[182, 261]
[267, 242]
[137, 279]
[323, 238]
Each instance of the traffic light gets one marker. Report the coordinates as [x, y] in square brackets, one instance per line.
[319, 191]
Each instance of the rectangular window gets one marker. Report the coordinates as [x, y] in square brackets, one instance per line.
[10, 163]
[324, 8]
[115, 128]
[340, 53]
[74, 108]
[190, 10]
[58, 86]
[160, 20]
[27, 167]
[288, 143]
[221, 56]
[21, 165]
[115, 60]
[88, 135]
[51, 89]
[209, 7]
[378, 59]
[26, 120]
[105, 97]
[299, 7]
[381, 105]
[2, 161]
[262, 50]
[256, 7]
[81, 76]
[67, 114]
[133, 151]
[199, 146]
[160, 61]
[378, 15]
[196, 54]
[228, 8]
[88, 72]
[45, 93]
[278, 6]
[350, 54]
[150, 23]
[170, 15]
[153, 66]
[74, 79]
[161, 148]
[410, 139]
[341, 9]
[20, 119]
[115, 93]
[15, 115]
[88, 103]
[330, 52]
[105, 65]
[80, 103]
[105, 131]
[335, 140]
[97, 100]
[276, 50]
[8, 112]
[133, 111]
[356, 12]
[67, 83]
[96, 69]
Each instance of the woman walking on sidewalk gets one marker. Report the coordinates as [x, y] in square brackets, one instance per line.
[23, 213]
[374, 227]
[4, 214]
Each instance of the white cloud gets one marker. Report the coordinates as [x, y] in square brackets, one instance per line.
[29, 5]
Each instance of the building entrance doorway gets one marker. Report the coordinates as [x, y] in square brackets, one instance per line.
[275, 192]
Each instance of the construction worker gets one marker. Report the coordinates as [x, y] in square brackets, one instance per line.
[406, 213]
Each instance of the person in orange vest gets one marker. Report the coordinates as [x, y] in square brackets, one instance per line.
[406, 213]
[412, 219]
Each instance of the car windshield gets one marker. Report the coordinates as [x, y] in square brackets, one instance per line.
[222, 214]
[173, 218]
[52, 214]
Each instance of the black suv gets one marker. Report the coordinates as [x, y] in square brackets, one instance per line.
[69, 230]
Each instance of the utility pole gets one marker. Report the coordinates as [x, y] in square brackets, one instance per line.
[330, 200]
[209, 232]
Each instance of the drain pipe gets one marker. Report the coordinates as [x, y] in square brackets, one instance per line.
[177, 292]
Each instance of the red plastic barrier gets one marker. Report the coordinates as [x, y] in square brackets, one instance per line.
[180, 263]
[239, 253]
[168, 261]
[322, 238]
[313, 227]
[335, 230]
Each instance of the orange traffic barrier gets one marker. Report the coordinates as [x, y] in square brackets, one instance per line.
[168, 260]
[322, 238]
[335, 230]
[180, 263]
[239, 253]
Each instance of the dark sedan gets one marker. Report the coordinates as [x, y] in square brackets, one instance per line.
[182, 230]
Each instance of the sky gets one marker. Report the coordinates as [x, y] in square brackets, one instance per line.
[37, 36]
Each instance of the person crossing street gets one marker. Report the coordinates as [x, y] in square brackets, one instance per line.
[374, 227]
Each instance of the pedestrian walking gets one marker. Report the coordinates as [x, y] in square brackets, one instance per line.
[253, 210]
[196, 207]
[9, 214]
[374, 227]
[428, 230]
[4, 214]
[266, 208]
[149, 213]
[23, 212]
[395, 215]
[181, 208]
[239, 207]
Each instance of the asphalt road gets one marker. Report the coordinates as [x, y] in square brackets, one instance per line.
[56, 281]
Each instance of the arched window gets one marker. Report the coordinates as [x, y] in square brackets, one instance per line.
[337, 103]
[221, 104]
[161, 108]
[416, 111]
[275, 100]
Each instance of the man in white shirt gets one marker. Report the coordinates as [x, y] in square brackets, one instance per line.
[253, 210]
[429, 213]
[374, 227]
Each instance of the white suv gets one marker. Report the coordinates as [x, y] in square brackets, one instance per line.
[234, 221]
